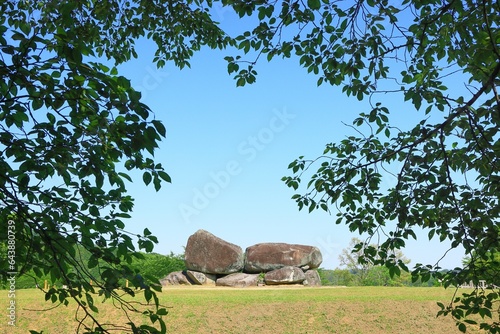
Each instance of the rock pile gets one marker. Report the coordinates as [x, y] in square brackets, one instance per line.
[213, 261]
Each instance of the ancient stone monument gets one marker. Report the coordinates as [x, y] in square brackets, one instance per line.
[270, 256]
[209, 254]
[213, 261]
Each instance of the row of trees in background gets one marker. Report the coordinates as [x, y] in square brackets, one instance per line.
[357, 271]
[152, 267]
[375, 276]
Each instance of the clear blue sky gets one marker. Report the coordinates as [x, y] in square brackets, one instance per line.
[227, 149]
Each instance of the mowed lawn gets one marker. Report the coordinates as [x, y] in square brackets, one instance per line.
[274, 310]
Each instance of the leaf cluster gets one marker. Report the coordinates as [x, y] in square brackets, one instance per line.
[73, 132]
[441, 175]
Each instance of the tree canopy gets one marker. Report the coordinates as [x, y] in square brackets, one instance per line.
[71, 128]
[363, 269]
[448, 162]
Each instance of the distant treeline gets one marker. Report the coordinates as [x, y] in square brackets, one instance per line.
[152, 265]
[374, 276]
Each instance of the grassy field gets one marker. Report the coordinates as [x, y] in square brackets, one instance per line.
[264, 310]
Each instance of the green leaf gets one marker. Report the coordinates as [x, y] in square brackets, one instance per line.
[146, 177]
[157, 183]
[37, 104]
[125, 176]
[25, 27]
[148, 294]
[165, 176]
[51, 118]
[94, 211]
[241, 82]
[75, 55]
[91, 305]
[162, 311]
[159, 127]
[314, 4]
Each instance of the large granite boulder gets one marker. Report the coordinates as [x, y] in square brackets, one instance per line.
[270, 256]
[200, 278]
[238, 280]
[312, 278]
[285, 275]
[175, 278]
[209, 254]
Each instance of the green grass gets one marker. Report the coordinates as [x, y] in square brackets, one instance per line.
[265, 310]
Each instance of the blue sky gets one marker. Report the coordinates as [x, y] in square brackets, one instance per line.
[227, 149]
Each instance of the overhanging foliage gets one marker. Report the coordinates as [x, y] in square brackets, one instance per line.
[71, 127]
